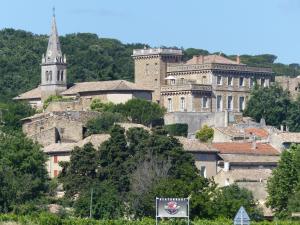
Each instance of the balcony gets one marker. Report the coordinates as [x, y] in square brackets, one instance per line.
[185, 85]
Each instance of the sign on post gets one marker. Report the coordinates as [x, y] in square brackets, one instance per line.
[241, 218]
[172, 207]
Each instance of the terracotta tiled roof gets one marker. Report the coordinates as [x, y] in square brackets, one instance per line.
[289, 137]
[194, 145]
[32, 94]
[249, 174]
[95, 139]
[232, 131]
[246, 159]
[114, 85]
[212, 59]
[259, 132]
[245, 148]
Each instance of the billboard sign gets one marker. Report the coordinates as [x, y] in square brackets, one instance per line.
[172, 207]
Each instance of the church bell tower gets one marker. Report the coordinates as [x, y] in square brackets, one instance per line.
[53, 66]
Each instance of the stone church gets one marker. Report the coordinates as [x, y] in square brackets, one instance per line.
[54, 82]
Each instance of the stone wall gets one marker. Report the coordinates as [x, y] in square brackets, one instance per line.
[69, 126]
[45, 137]
[196, 120]
[208, 160]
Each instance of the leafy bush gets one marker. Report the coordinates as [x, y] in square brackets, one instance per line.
[103, 123]
[177, 129]
[99, 106]
[54, 98]
[205, 134]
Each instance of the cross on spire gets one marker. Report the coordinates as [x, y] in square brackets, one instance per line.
[53, 11]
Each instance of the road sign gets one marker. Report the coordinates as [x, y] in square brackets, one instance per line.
[241, 218]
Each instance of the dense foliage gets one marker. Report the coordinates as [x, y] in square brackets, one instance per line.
[136, 110]
[177, 129]
[23, 176]
[11, 115]
[131, 168]
[274, 105]
[283, 187]
[47, 219]
[205, 134]
[89, 58]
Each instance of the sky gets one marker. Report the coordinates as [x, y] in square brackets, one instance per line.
[228, 26]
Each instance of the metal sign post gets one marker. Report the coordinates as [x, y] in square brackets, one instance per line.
[172, 208]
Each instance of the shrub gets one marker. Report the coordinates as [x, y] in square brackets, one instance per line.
[205, 134]
[99, 106]
[177, 129]
[103, 123]
[54, 98]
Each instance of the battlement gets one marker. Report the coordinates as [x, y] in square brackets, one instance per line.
[156, 51]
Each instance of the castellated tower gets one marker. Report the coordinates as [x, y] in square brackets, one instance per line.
[150, 67]
[53, 67]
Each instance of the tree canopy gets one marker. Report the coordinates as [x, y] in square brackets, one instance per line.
[283, 186]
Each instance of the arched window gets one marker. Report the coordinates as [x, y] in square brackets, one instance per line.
[47, 76]
[57, 77]
[50, 75]
[62, 75]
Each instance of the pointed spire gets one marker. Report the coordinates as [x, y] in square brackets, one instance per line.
[53, 53]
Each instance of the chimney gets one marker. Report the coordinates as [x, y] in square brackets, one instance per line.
[253, 145]
[238, 61]
[226, 166]
[201, 59]
[281, 128]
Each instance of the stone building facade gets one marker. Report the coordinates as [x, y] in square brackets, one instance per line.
[210, 83]
[291, 84]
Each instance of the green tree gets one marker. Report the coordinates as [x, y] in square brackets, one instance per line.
[230, 198]
[293, 118]
[23, 176]
[143, 111]
[271, 103]
[103, 122]
[106, 202]
[284, 177]
[11, 115]
[79, 173]
[113, 154]
[205, 134]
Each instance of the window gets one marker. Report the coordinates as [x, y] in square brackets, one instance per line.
[172, 81]
[204, 102]
[262, 82]
[219, 80]
[242, 103]
[241, 81]
[47, 76]
[57, 75]
[203, 171]
[229, 81]
[55, 159]
[182, 104]
[204, 80]
[62, 75]
[251, 82]
[229, 103]
[219, 103]
[170, 105]
[50, 75]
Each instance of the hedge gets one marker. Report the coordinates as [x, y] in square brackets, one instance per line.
[50, 219]
[177, 129]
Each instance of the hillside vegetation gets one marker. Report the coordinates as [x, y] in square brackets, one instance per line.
[89, 58]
